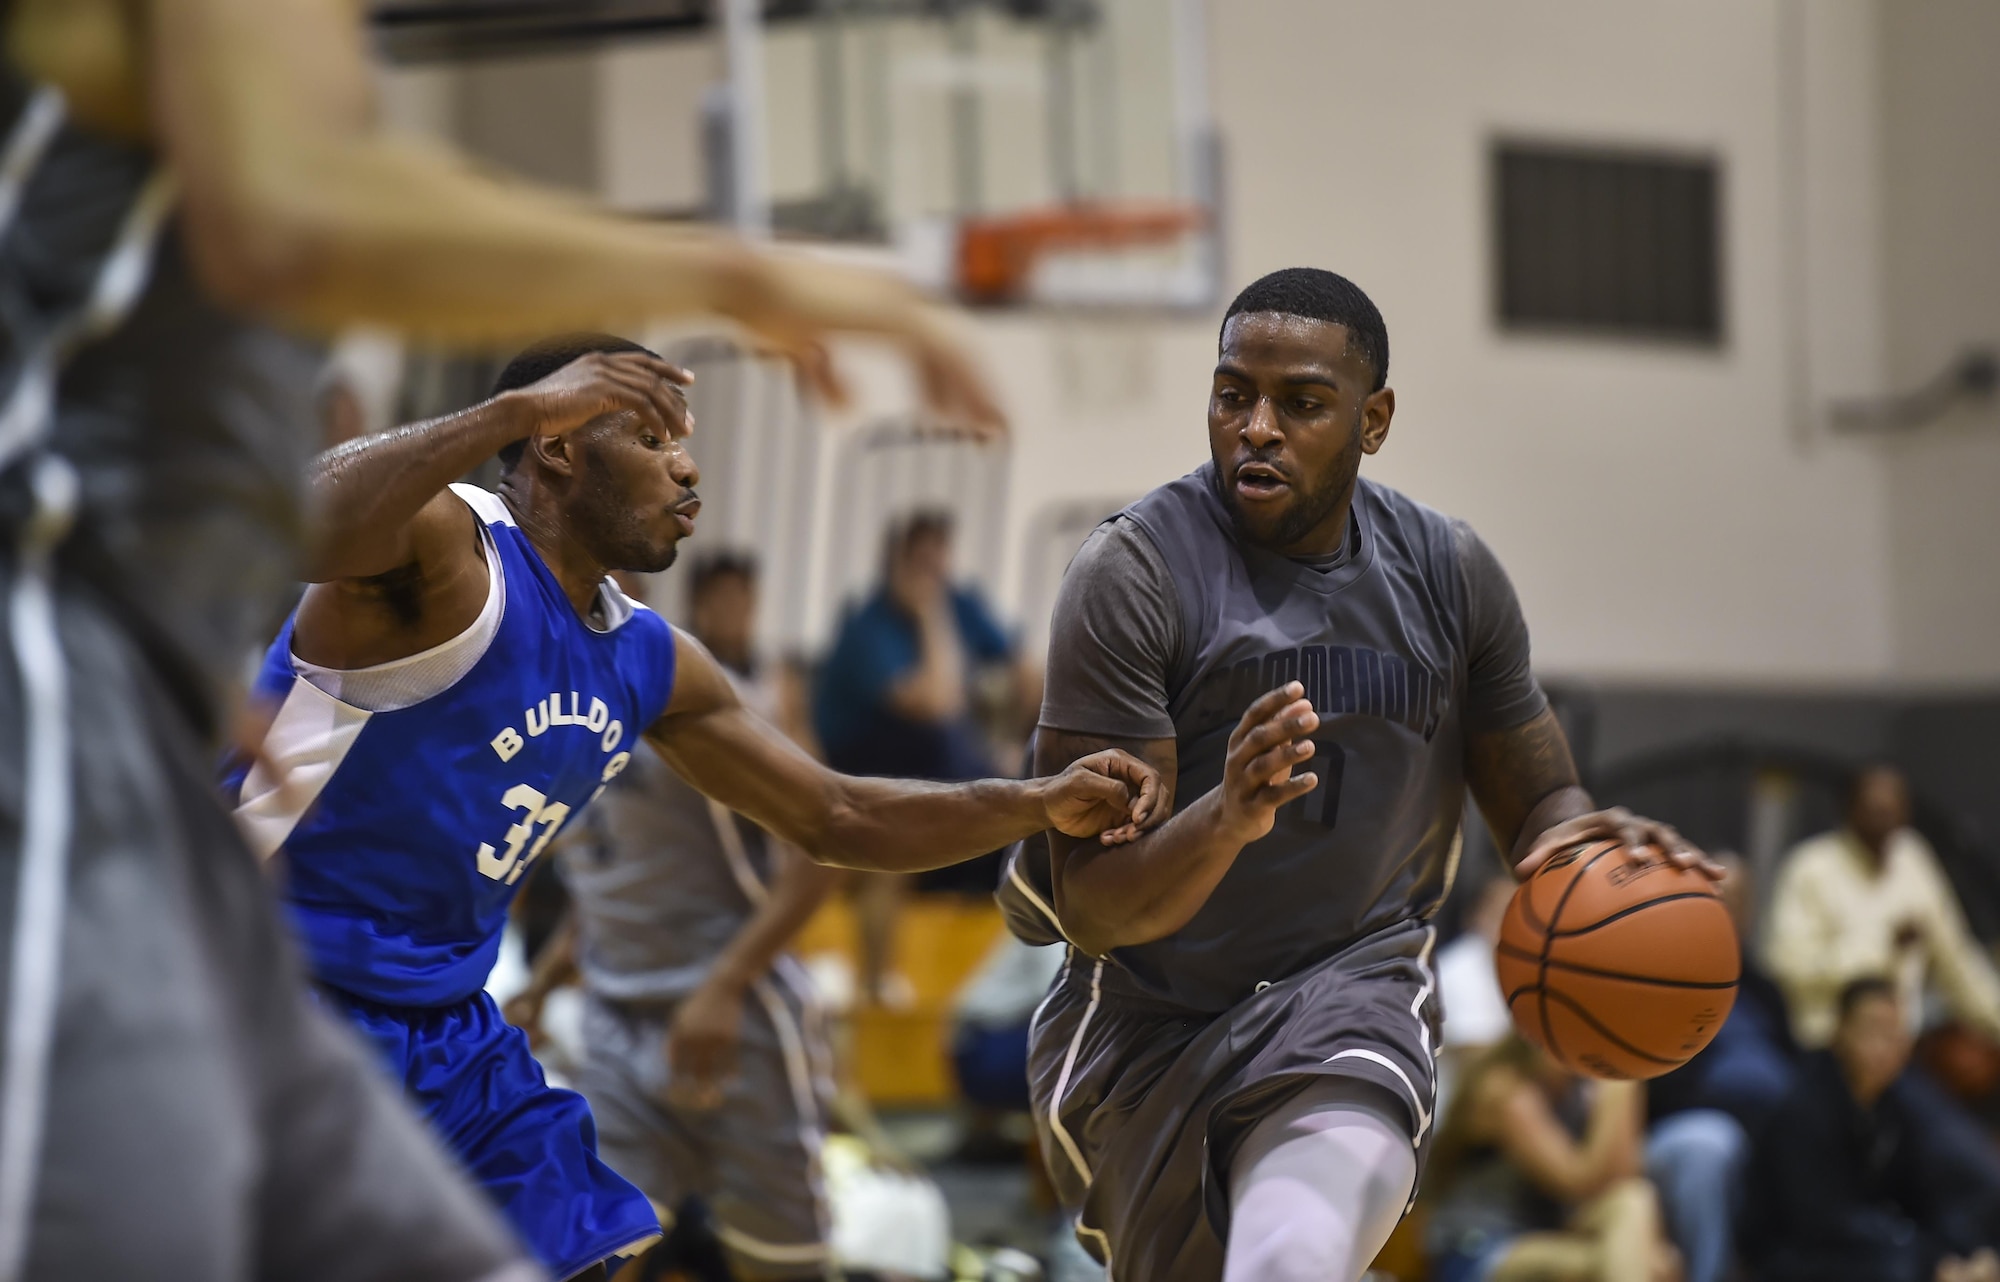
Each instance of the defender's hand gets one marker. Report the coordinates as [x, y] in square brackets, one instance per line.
[1110, 795]
[1257, 777]
[702, 1043]
[1622, 826]
[601, 383]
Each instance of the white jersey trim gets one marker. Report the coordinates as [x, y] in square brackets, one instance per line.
[491, 509]
[771, 1252]
[1040, 905]
[416, 678]
[1056, 1127]
[812, 1135]
[309, 738]
[1376, 1057]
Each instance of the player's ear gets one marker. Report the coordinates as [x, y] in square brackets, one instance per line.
[1376, 412]
[555, 454]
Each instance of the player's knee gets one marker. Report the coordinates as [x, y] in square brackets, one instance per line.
[1632, 1200]
[1286, 1249]
[1703, 1139]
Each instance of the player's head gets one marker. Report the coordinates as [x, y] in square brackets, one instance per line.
[1878, 803]
[1872, 1040]
[722, 604]
[1299, 395]
[620, 490]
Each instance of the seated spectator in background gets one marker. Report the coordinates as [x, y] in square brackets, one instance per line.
[1871, 900]
[1536, 1177]
[1475, 1011]
[1867, 1174]
[897, 696]
[1705, 1112]
[897, 693]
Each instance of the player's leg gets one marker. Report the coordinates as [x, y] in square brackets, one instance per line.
[1624, 1222]
[532, 1147]
[770, 1207]
[1317, 1186]
[645, 1137]
[1546, 1257]
[624, 1079]
[1695, 1159]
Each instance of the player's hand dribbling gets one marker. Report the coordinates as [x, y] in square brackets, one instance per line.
[1617, 824]
[1110, 795]
[601, 383]
[701, 1044]
[1257, 776]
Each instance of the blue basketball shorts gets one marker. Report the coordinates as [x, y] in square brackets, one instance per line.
[531, 1146]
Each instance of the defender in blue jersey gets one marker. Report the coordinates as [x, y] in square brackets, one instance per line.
[464, 677]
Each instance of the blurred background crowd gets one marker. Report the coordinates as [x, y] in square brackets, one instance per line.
[1695, 310]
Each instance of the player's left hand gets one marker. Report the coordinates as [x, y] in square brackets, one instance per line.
[701, 1045]
[1110, 795]
[524, 1011]
[1620, 825]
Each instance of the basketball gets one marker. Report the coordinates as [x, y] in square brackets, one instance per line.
[1616, 962]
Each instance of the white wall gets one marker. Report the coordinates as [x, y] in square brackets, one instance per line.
[1660, 515]
[1668, 513]
[1942, 134]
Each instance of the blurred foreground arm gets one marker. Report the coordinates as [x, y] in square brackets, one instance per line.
[899, 825]
[297, 204]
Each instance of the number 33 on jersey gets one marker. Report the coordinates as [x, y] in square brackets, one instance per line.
[508, 864]
[408, 800]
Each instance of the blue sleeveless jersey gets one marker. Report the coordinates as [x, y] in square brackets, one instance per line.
[407, 831]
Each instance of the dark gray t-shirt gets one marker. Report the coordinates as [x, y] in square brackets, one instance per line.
[1117, 634]
[663, 879]
[1169, 626]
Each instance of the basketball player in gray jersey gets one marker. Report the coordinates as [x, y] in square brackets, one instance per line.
[708, 1072]
[1235, 1072]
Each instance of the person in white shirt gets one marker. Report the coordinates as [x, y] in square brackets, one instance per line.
[1870, 899]
[1475, 1011]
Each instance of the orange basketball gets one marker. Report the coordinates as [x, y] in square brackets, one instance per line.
[1616, 962]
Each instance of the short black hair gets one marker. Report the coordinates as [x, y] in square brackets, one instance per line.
[921, 523]
[1317, 294]
[1851, 791]
[1861, 989]
[720, 564]
[924, 523]
[538, 360]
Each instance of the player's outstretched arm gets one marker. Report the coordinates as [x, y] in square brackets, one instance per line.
[897, 825]
[1147, 885]
[298, 205]
[1527, 787]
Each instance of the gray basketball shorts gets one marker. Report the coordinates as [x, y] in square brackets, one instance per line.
[1140, 1105]
[754, 1159]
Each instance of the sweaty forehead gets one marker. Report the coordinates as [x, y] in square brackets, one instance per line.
[1275, 341]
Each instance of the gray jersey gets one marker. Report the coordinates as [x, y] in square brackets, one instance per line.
[662, 879]
[1170, 625]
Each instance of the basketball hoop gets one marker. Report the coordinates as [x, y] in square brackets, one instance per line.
[997, 255]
